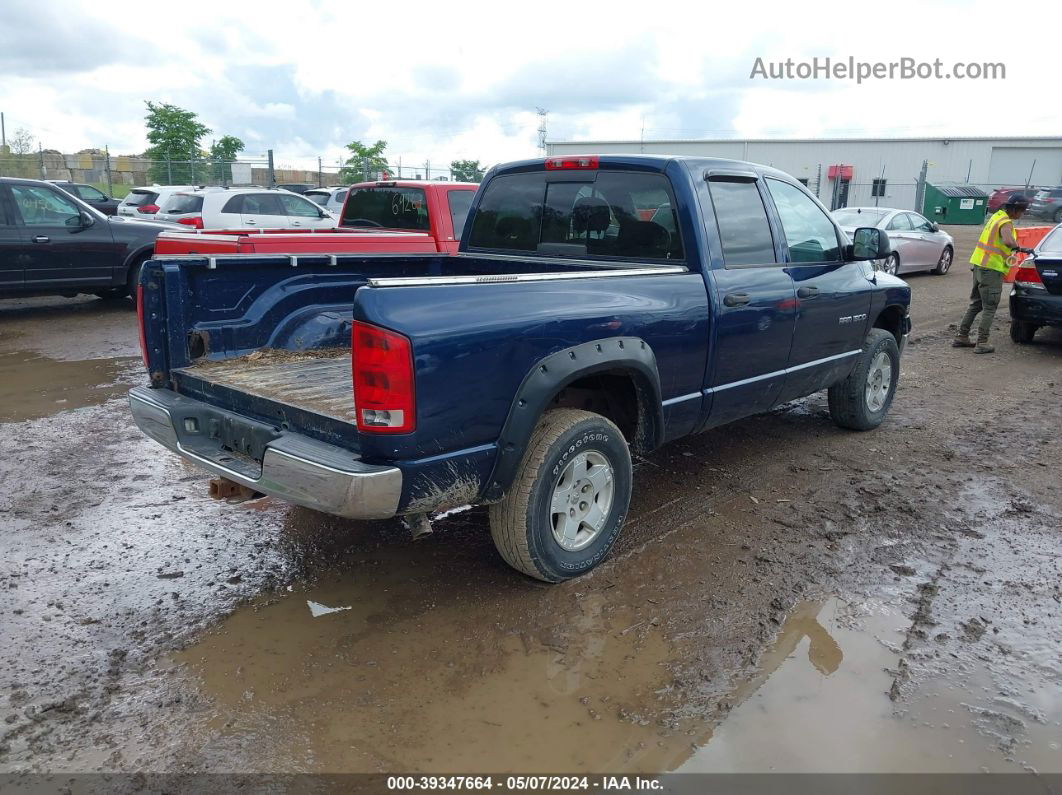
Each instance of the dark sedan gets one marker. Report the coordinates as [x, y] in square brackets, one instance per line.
[93, 197]
[52, 243]
[1036, 299]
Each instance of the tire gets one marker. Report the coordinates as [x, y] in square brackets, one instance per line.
[573, 447]
[891, 264]
[944, 263]
[1058, 216]
[134, 278]
[851, 403]
[1022, 332]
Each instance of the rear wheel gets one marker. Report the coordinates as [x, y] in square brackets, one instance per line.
[891, 264]
[567, 504]
[944, 263]
[862, 400]
[1022, 332]
[1058, 216]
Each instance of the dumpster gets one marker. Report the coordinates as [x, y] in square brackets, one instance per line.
[955, 204]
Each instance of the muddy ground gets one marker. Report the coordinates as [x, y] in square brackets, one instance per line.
[786, 595]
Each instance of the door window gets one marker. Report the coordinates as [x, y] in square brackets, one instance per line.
[294, 205]
[262, 204]
[899, 223]
[42, 207]
[809, 232]
[90, 194]
[918, 223]
[743, 226]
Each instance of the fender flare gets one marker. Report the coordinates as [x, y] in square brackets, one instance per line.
[551, 374]
[143, 253]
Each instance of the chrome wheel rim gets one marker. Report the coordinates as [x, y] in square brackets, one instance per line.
[891, 265]
[581, 501]
[879, 379]
[945, 261]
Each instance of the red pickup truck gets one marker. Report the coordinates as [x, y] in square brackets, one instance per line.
[398, 215]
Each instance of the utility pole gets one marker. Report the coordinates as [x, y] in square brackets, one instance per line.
[920, 187]
[320, 178]
[543, 114]
[40, 153]
[427, 169]
[881, 184]
[107, 161]
[1028, 181]
[3, 131]
[269, 165]
[969, 170]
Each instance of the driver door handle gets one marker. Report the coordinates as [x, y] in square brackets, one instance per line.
[736, 299]
[250, 221]
[42, 239]
[807, 292]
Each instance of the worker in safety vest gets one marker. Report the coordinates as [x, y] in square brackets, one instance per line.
[989, 260]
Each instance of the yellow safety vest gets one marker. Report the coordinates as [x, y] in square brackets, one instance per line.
[990, 252]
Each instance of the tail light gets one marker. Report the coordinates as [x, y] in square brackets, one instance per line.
[140, 319]
[382, 363]
[576, 162]
[1027, 276]
[148, 209]
[194, 221]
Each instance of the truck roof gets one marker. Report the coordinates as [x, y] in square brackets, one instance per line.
[411, 183]
[650, 163]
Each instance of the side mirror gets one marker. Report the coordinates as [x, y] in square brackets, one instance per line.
[80, 221]
[934, 226]
[870, 243]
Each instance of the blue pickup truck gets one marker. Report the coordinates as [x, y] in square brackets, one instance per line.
[599, 306]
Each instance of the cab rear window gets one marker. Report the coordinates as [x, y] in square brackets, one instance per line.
[607, 214]
[388, 207]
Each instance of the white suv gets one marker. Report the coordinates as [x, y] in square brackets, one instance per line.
[330, 198]
[145, 202]
[239, 208]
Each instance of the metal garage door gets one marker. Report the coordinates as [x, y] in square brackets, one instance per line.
[1010, 165]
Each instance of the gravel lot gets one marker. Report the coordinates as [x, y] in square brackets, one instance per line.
[786, 595]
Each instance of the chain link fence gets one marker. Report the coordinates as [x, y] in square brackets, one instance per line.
[115, 175]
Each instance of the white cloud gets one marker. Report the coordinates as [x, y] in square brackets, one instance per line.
[440, 81]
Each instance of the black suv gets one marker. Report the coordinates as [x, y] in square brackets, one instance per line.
[52, 243]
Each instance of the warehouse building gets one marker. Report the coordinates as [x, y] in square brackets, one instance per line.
[862, 171]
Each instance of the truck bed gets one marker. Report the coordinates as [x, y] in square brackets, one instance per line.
[315, 381]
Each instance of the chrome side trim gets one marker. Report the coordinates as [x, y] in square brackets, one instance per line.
[681, 399]
[777, 373]
[355, 490]
[507, 278]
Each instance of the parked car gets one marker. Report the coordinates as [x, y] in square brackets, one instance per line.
[1000, 195]
[523, 374]
[52, 243]
[92, 196]
[437, 212]
[241, 208]
[1036, 300]
[146, 201]
[918, 244]
[1047, 203]
[330, 198]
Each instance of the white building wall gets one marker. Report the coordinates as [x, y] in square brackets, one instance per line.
[986, 162]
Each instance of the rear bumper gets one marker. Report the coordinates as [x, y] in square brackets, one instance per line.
[1036, 306]
[293, 467]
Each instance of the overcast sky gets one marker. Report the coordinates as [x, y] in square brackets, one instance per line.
[446, 80]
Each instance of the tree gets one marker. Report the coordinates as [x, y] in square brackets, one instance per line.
[21, 142]
[365, 162]
[466, 170]
[174, 134]
[222, 153]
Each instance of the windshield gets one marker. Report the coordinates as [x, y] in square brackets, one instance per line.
[1053, 242]
[853, 217]
[390, 207]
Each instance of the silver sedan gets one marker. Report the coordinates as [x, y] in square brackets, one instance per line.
[918, 244]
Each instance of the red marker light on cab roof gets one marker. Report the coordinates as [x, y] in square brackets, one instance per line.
[574, 162]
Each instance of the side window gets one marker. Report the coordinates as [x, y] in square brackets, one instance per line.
[918, 223]
[42, 207]
[899, 223]
[90, 194]
[743, 226]
[340, 197]
[234, 205]
[459, 201]
[295, 205]
[262, 204]
[809, 232]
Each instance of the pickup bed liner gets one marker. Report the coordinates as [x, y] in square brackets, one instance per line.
[314, 381]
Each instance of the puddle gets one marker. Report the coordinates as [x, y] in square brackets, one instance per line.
[34, 386]
[820, 704]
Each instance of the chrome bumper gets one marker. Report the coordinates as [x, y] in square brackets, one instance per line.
[294, 467]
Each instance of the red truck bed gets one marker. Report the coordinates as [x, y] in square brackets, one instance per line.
[291, 241]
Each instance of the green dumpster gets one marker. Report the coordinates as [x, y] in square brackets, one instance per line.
[955, 204]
